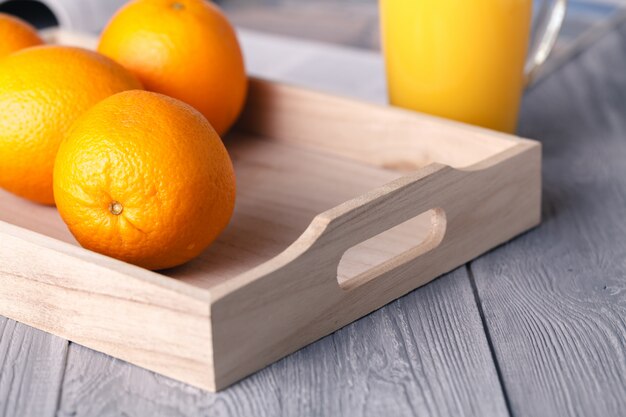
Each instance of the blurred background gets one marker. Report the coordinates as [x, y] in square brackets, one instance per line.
[355, 22]
[346, 22]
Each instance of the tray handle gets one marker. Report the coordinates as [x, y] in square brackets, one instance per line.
[367, 216]
[429, 241]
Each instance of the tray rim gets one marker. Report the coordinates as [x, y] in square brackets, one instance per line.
[292, 251]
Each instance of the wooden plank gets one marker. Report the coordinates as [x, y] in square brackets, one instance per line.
[555, 299]
[424, 354]
[400, 140]
[32, 364]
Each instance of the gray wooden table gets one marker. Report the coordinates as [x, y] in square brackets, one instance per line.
[536, 327]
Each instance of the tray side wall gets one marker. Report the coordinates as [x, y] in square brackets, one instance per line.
[104, 309]
[298, 300]
[387, 137]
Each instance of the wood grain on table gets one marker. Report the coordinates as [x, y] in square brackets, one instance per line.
[32, 365]
[554, 300]
[538, 328]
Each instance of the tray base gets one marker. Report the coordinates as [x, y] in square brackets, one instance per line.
[281, 188]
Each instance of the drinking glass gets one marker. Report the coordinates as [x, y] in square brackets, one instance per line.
[467, 60]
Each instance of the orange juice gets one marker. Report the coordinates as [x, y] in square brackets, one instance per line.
[460, 59]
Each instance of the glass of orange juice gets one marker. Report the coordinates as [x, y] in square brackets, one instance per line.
[466, 60]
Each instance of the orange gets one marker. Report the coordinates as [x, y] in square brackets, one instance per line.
[43, 90]
[144, 178]
[15, 34]
[186, 49]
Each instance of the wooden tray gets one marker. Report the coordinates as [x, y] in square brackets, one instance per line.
[342, 207]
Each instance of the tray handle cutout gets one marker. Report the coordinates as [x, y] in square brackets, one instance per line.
[391, 248]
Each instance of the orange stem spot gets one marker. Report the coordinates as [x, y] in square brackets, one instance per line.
[116, 208]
